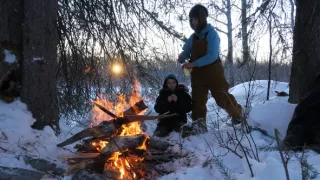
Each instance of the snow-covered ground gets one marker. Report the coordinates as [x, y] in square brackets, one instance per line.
[206, 158]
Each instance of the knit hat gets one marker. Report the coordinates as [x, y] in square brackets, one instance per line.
[170, 76]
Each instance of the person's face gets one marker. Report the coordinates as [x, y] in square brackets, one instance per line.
[194, 22]
[171, 84]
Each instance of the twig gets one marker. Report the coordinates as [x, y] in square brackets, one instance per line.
[6, 137]
[219, 163]
[244, 151]
[6, 150]
[284, 162]
[254, 143]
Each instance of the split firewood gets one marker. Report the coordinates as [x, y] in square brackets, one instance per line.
[136, 109]
[79, 156]
[86, 147]
[87, 164]
[105, 129]
[122, 143]
[116, 144]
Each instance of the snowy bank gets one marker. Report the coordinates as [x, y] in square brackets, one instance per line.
[206, 159]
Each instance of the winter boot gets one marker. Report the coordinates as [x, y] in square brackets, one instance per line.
[195, 128]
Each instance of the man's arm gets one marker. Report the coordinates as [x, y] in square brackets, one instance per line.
[185, 54]
[213, 47]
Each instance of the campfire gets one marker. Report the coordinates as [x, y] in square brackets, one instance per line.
[114, 145]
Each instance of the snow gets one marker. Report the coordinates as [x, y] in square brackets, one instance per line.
[17, 138]
[205, 159]
[9, 57]
[37, 58]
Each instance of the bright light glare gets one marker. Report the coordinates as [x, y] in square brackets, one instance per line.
[116, 68]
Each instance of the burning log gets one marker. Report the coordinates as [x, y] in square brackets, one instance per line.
[104, 130]
[86, 147]
[136, 109]
[118, 147]
[107, 129]
[122, 143]
[116, 144]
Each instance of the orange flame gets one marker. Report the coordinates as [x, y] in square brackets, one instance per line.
[121, 163]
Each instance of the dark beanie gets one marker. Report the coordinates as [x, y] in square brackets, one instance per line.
[198, 11]
[170, 76]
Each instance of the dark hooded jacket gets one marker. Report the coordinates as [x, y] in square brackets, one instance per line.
[304, 127]
[181, 107]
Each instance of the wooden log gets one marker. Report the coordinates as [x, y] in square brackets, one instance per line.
[116, 144]
[86, 147]
[105, 110]
[157, 144]
[103, 130]
[87, 164]
[122, 143]
[136, 109]
[79, 156]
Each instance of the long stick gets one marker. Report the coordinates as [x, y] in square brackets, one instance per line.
[105, 110]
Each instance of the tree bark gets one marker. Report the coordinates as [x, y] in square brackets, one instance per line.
[292, 14]
[244, 33]
[306, 54]
[39, 65]
[269, 19]
[230, 44]
[11, 18]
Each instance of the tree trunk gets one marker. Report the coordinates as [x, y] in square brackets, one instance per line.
[11, 18]
[39, 65]
[292, 14]
[244, 32]
[269, 19]
[306, 54]
[230, 44]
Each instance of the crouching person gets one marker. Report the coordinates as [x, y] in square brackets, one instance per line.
[173, 98]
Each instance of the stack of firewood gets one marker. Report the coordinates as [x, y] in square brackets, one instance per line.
[140, 152]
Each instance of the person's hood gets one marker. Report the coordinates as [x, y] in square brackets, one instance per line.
[181, 88]
[170, 76]
[207, 29]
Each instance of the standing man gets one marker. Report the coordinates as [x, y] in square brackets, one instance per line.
[202, 48]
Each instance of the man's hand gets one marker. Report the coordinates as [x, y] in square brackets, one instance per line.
[170, 98]
[188, 66]
[174, 97]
